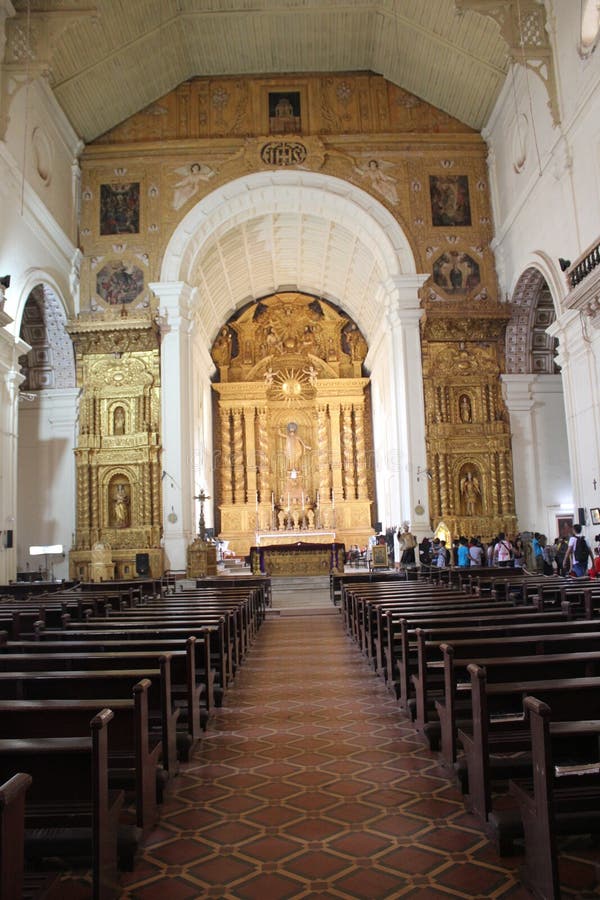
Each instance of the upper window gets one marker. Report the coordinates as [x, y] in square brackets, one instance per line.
[590, 25]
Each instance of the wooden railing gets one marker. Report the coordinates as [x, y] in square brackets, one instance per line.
[583, 266]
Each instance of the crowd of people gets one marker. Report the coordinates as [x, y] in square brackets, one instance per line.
[532, 552]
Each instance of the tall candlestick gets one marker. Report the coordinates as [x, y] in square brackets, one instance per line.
[302, 499]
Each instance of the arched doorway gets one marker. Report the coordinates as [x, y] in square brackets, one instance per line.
[277, 231]
[47, 419]
[534, 396]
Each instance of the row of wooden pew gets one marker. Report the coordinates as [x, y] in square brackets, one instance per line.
[102, 695]
[501, 675]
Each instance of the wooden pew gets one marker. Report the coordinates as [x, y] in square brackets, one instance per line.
[186, 692]
[400, 655]
[504, 669]
[12, 836]
[90, 642]
[69, 812]
[389, 641]
[133, 758]
[96, 685]
[413, 666]
[220, 654]
[497, 741]
[551, 804]
[261, 583]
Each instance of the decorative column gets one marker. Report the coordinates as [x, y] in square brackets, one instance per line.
[323, 459]
[176, 327]
[239, 496]
[262, 443]
[250, 460]
[349, 479]
[336, 451]
[359, 443]
[226, 473]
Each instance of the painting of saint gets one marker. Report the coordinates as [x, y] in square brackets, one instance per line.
[456, 273]
[450, 205]
[119, 283]
[120, 208]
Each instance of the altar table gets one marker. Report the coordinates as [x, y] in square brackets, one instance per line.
[298, 559]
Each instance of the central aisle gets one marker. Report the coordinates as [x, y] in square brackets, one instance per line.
[309, 783]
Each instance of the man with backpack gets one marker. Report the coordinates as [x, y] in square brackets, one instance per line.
[578, 553]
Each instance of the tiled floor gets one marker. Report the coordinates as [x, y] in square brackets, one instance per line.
[309, 783]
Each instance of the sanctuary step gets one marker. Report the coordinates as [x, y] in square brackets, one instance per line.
[301, 595]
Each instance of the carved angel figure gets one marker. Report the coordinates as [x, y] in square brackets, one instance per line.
[190, 183]
[381, 182]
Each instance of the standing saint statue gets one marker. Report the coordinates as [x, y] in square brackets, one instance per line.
[294, 447]
[120, 507]
[471, 493]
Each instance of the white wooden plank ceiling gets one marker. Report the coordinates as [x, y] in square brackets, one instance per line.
[110, 58]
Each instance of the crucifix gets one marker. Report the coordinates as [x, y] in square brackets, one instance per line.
[202, 497]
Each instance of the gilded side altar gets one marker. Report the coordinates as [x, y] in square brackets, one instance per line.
[468, 434]
[117, 457]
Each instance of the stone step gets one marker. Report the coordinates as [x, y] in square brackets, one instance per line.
[311, 583]
[302, 611]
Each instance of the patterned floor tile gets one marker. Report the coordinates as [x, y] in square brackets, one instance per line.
[309, 783]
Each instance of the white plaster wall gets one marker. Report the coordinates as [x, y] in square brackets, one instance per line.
[551, 209]
[45, 147]
[46, 498]
[37, 231]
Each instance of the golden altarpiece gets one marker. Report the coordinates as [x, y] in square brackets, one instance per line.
[468, 435]
[118, 453]
[293, 425]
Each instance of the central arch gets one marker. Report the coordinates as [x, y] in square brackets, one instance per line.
[272, 231]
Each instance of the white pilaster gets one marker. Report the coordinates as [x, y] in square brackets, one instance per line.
[397, 369]
[47, 428]
[11, 349]
[579, 359]
[177, 420]
[518, 396]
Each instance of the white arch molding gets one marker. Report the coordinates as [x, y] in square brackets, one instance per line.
[303, 231]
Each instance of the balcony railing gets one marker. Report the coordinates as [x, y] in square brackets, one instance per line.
[583, 266]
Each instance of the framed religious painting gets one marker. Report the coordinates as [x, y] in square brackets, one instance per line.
[380, 557]
[595, 514]
[564, 526]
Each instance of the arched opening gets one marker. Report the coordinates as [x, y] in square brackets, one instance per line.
[293, 427]
[293, 231]
[534, 397]
[47, 416]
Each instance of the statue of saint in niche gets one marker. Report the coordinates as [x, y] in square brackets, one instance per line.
[465, 409]
[119, 420]
[120, 507]
[470, 490]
